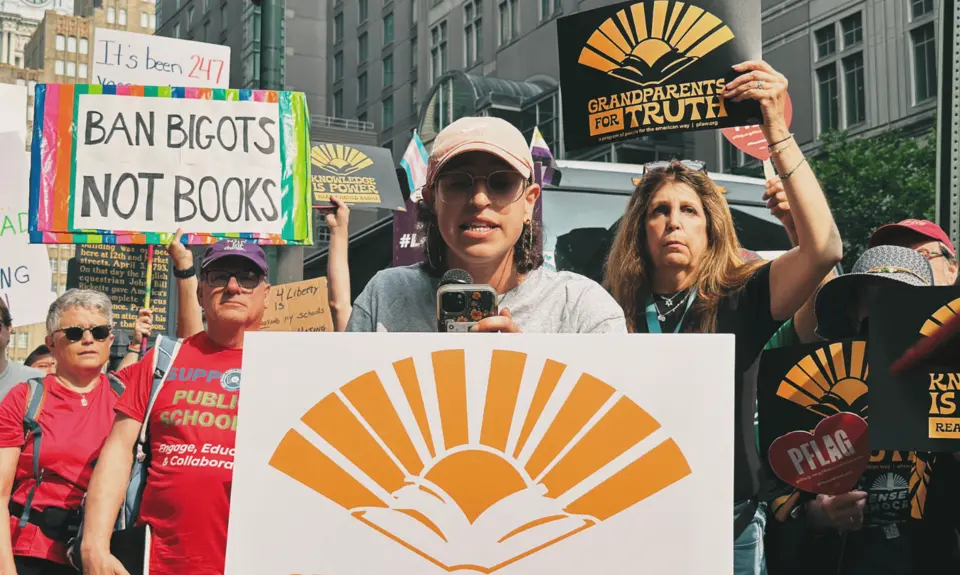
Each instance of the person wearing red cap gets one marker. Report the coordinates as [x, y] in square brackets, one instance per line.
[928, 239]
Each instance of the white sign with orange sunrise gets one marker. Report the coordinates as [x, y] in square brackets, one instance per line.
[422, 454]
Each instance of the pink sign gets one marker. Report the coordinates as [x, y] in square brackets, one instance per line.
[750, 139]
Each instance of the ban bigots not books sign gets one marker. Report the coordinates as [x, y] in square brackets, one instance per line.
[653, 66]
[205, 161]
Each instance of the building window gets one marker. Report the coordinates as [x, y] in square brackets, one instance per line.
[153, 21]
[71, 69]
[548, 8]
[920, 8]
[414, 11]
[414, 98]
[58, 67]
[84, 44]
[190, 17]
[414, 55]
[206, 31]
[206, 6]
[473, 31]
[388, 29]
[853, 90]
[144, 19]
[387, 112]
[111, 16]
[388, 71]
[364, 11]
[176, 30]
[82, 70]
[223, 17]
[852, 27]
[53, 265]
[31, 87]
[826, 41]
[924, 63]
[362, 117]
[61, 42]
[438, 51]
[362, 48]
[22, 340]
[509, 21]
[123, 17]
[362, 87]
[828, 96]
[338, 67]
[338, 104]
[72, 44]
[338, 28]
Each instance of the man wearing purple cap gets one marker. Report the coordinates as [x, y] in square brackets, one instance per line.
[192, 429]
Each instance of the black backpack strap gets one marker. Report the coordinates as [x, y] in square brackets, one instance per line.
[36, 393]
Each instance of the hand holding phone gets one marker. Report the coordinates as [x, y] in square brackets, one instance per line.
[462, 306]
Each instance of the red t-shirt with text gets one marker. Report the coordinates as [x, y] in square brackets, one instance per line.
[72, 435]
[192, 432]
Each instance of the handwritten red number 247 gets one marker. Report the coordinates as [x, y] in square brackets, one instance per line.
[212, 69]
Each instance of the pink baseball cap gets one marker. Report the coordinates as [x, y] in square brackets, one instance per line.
[884, 234]
[480, 134]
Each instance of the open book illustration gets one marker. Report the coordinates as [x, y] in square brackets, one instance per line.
[427, 520]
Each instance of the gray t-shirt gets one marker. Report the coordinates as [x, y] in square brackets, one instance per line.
[14, 374]
[404, 299]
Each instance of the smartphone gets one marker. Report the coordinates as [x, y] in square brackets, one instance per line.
[460, 306]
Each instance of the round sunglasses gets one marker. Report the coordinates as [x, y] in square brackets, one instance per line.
[75, 333]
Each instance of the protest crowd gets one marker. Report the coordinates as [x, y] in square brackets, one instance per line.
[72, 426]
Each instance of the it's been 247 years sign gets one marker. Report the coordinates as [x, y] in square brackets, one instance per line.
[652, 66]
[421, 454]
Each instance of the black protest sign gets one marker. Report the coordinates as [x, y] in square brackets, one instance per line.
[653, 66]
[361, 176]
[916, 410]
[799, 386]
[121, 273]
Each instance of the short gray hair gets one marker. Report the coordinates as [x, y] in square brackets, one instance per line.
[89, 299]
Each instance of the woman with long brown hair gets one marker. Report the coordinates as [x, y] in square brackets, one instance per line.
[676, 266]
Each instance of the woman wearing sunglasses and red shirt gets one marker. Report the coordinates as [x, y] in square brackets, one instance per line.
[75, 418]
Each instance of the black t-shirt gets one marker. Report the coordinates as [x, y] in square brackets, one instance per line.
[746, 314]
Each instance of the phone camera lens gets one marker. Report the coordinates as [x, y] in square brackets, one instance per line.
[453, 302]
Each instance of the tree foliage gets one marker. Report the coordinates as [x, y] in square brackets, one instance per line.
[874, 181]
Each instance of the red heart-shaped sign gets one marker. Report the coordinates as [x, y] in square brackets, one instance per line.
[830, 460]
[750, 139]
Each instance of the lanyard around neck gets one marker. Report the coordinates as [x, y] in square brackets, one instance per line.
[653, 324]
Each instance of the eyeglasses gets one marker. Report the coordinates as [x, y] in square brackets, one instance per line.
[502, 187]
[247, 279]
[75, 333]
[693, 165]
[930, 256]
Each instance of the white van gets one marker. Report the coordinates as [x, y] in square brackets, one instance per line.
[581, 212]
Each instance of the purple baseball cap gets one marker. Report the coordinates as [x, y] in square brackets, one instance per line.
[235, 248]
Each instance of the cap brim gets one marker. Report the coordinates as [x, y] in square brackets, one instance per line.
[206, 263]
[515, 162]
[837, 295]
[881, 235]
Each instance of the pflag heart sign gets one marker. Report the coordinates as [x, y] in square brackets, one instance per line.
[830, 460]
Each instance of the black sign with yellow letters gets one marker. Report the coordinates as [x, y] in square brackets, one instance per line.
[653, 66]
[920, 408]
[361, 176]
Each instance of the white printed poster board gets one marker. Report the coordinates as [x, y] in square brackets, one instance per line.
[142, 59]
[24, 267]
[422, 454]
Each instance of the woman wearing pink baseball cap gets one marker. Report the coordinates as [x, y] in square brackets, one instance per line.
[477, 215]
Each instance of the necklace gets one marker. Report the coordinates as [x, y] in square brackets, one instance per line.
[83, 395]
[662, 315]
[668, 300]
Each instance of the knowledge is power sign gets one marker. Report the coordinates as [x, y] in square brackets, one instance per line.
[653, 66]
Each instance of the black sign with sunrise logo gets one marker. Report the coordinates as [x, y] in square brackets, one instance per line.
[653, 66]
[920, 408]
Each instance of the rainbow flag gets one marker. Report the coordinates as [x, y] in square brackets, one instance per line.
[58, 141]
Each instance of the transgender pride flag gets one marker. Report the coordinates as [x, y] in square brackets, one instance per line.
[414, 163]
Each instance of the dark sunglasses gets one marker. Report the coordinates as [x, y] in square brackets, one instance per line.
[75, 333]
[693, 165]
[503, 187]
[247, 279]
